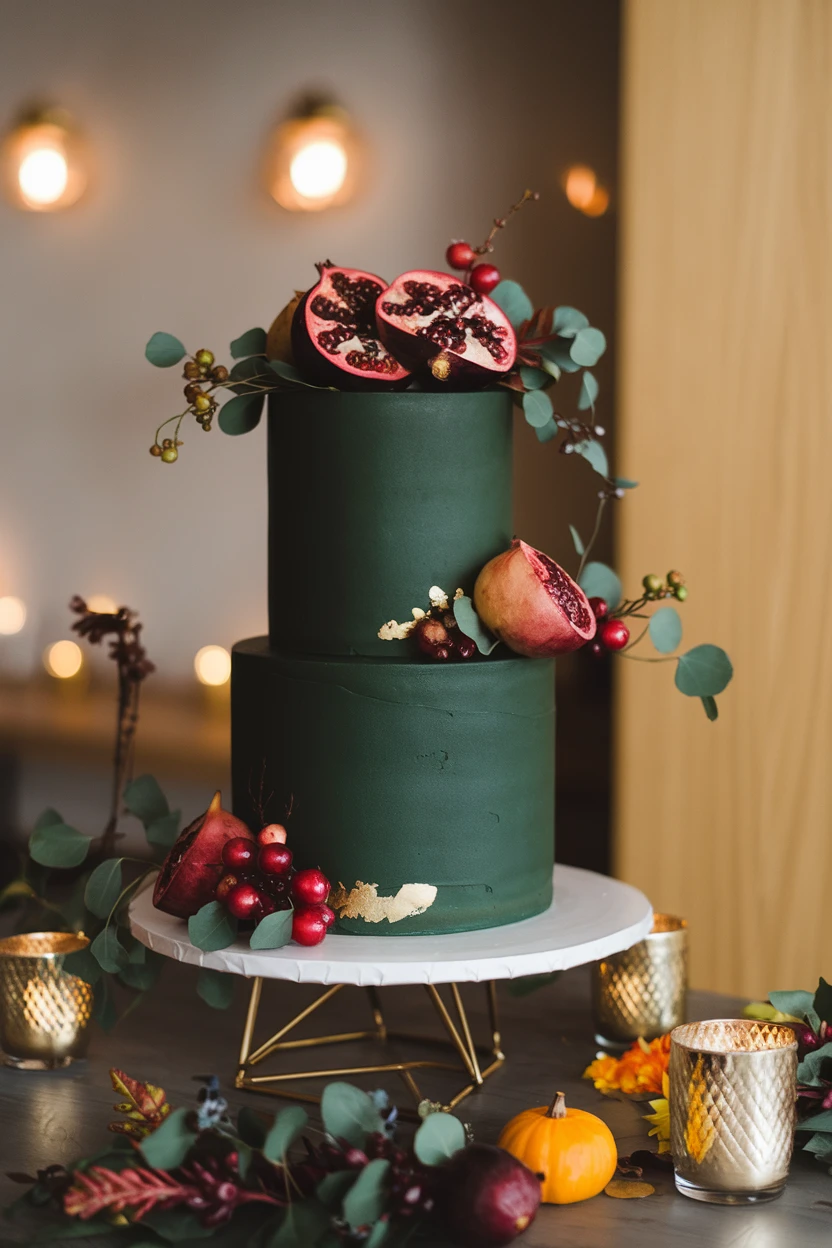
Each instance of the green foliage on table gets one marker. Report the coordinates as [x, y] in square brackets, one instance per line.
[438, 1138]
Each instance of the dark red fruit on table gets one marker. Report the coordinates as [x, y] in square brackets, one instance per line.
[308, 926]
[265, 904]
[431, 634]
[326, 914]
[273, 832]
[599, 608]
[193, 868]
[456, 338]
[243, 901]
[239, 853]
[274, 859]
[484, 277]
[464, 647]
[487, 1198]
[614, 634]
[335, 339]
[310, 887]
[806, 1039]
[225, 886]
[460, 255]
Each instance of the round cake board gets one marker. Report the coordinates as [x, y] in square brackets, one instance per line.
[591, 917]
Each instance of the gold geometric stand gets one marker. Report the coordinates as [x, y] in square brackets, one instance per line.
[475, 1061]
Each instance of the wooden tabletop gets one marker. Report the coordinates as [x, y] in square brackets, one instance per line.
[58, 1116]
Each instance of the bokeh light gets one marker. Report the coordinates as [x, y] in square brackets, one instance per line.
[319, 169]
[44, 161]
[584, 191]
[12, 615]
[102, 604]
[212, 665]
[63, 659]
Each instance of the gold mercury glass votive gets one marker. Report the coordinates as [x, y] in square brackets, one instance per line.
[642, 992]
[44, 1011]
[732, 1109]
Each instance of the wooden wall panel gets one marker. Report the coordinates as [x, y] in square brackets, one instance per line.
[726, 418]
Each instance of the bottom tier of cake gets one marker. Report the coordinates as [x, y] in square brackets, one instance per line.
[424, 791]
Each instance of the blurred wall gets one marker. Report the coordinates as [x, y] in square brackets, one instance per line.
[726, 306]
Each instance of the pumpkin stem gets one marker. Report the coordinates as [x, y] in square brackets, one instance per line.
[558, 1107]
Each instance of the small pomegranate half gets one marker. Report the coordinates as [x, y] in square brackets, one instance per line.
[192, 870]
[530, 603]
[434, 322]
[334, 337]
[487, 1197]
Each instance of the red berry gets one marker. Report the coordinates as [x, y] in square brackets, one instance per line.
[273, 832]
[484, 277]
[265, 904]
[308, 926]
[464, 646]
[225, 886]
[238, 853]
[599, 608]
[274, 859]
[614, 634]
[460, 255]
[326, 914]
[243, 901]
[310, 887]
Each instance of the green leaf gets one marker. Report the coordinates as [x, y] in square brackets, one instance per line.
[587, 347]
[534, 378]
[141, 976]
[47, 818]
[550, 367]
[710, 708]
[164, 830]
[624, 483]
[537, 408]
[665, 629]
[594, 453]
[108, 950]
[212, 928]
[599, 581]
[438, 1138]
[548, 431]
[819, 1122]
[823, 1001]
[58, 845]
[796, 1002]
[83, 964]
[365, 1200]
[512, 298]
[576, 540]
[333, 1187]
[144, 798]
[819, 1144]
[348, 1113]
[567, 321]
[216, 988]
[378, 1235]
[252, 376]
[103, 887]
[272, 932]
[241, 414]
[809, 1070]
[167, 1146]
[527, 984]
[252, 1127]
[285, 1129]
[557, 352]
[588, 393]
[252, 342]
[703, 671]
[164, 350]
[472, 626]
[103, 1006]
[304, 1224]
[180, 1226]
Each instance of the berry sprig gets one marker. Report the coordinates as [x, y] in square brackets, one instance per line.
[483, 277]
[613, 634]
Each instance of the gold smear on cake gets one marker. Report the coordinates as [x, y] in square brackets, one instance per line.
[363, 902]
[393, 631]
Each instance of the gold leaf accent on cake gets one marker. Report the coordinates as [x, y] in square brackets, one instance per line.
[393, 631]
[363, 902]
[438, 597]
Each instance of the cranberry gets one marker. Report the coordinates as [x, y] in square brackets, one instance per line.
[326, 914]
[464, 646]
[599, 608]
[225, 886]
[271, 834]
[614, 634]
[274, 859]
[484, 277]
[310, 887]
[460, 255]
[243, 901]
[308, 926]
[238, 853]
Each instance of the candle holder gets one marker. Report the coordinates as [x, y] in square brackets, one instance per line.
[44, 1011]
[732, 1109]
[642, 992]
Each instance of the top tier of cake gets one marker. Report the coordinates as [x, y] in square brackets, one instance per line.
[373, 499]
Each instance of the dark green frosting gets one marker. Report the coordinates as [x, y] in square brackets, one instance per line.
[404, 772]
[373, 499]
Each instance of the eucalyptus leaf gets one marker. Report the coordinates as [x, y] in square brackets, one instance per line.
[103, 887]
[179, 1225]
[83, 964]
[273, 932]
[285, 1129]
[818, 1122]
[819, 1144]
[567, 321]
[252, 376]
[710, 708]
[703, 671]
[587, 347]
[512, 298]
[438, 1138]
[144, 798]
[108, 950]
[348, 1113]
[168, 1146]
[576, 540]
[252, 1127]
[557, 352]
[599, 581]
[252, 342]
[472, 626]
[534, 378]
[550, 367]
[378, 1235]
[241, 414]
[537, 408]
[164, 830]
[164, 350]
[212, 928]
[304, 1224]
[366, 1199]
[594, 454]
[588, 394]
[216, 988]
[333, 1187]
[665, 629]
[809, 1070]
[624, 483]
[47, 818]
[548, 431]
[140, 976]
[58, 845]
[796, 1002]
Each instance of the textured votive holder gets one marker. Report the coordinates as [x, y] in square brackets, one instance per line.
[732, 1109]
[642, 992]
[44, 1011]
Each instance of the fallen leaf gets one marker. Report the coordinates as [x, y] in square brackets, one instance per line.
[626, 1189]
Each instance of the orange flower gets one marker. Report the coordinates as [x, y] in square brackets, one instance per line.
[638, 1072]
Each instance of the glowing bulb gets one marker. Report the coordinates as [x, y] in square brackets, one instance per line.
[314, 158]
[44, 161]
[319, 170]
[63, 659]
[212, 665]
[102, 604]
[12, 615]
[43, 176]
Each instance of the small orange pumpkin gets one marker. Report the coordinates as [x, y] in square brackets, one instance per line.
[572, 1152]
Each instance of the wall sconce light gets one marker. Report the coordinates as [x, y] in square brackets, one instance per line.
[44, 161]
[584, 191]
[313, 157]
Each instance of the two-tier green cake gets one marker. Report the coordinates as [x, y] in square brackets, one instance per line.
[425, 791]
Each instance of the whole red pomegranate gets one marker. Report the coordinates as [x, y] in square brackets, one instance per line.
[530, 603]
[335, 341]
[189, 875]
[487, 1197]
[434, 322]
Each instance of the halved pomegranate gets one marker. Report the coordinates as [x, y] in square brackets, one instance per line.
[334, 337]
[435, 322]
[193, 868]
[530, 603]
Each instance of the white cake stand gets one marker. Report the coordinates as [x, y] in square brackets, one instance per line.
[591, 917]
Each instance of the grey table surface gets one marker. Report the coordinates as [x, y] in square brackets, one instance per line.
[54, 1117]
